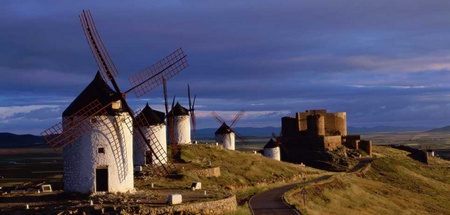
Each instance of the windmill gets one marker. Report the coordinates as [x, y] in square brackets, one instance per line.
[97, 131]
[225, 135]
[181, 124]
[192, 111]
[272, 148]
[157, 126]
[284, 151]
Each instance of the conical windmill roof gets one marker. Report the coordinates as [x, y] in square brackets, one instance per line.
[271, 144]
[179, 110]
[97, 89]
[224, 129]
[153, 117]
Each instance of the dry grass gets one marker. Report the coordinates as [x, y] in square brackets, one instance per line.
[395, 184]
[242, 173]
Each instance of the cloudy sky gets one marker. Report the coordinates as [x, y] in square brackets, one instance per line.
[383, 62]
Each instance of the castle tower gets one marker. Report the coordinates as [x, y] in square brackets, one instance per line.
[182, 125]
[316, 125]
[225, 136]
[101, 159]
[156, 126]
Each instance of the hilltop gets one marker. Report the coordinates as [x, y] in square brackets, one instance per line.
[394, 183]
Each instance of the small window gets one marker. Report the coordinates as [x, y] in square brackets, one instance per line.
[101, 150]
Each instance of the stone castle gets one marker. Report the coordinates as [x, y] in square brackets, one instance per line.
[317, 131]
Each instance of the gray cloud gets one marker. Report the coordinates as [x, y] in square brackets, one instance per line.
[382, 62]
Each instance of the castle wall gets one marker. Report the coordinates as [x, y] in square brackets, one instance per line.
[315, 125]
[351, 141]
[289, 129]
[331, 143]
[84, 156]
[366, 146]
[336, 123]
[289, 126]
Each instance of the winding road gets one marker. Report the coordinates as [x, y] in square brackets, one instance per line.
[271, 201]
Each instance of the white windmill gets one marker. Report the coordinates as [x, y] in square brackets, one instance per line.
[225, 135]
[96, 133]
[272, 148]
[157, 126]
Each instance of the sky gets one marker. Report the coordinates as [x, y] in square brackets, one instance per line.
[383, 62]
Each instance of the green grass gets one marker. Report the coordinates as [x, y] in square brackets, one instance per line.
[242, 173]
[395, 184]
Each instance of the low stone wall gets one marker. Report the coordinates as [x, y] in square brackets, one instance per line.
[209, 172]
[416, 154]
[210, 207]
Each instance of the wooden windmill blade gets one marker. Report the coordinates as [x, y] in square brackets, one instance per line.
[150, 78]
[156, 149]
[144, 81]
[235, 120]
[217, 117]
[101, 56]
[193, 117]
[237, 117]
[74, 126]
[192, 110]
[170, 119]
[240, 137]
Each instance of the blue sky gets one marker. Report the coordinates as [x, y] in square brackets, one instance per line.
[383, 62]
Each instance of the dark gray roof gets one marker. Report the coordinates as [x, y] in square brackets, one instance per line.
[153, 117]
[179, 110]
[224, 129]
[271, 144]
[97, 89]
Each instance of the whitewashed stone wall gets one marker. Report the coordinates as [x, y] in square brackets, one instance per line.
[81, 158]
[227, 140]
[182, 130]
[273, 153]
[160, 133]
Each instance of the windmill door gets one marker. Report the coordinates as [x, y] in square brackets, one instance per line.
[148, 157]
[101, 179]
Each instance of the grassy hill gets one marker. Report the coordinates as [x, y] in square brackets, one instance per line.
[242, 173]
[394, 184]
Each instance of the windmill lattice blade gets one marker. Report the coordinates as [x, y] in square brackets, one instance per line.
[58, 137]
[274, 136]
[143, 143]
[151, 77]
[166, 103]
[104, 62]
[217, 117]
[237, 117]
[193, 124]
[240, 137]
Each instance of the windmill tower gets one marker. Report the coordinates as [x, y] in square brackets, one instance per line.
[181, 124]
[157, 126]
[99, 157]
[272, 148]
[96, 133]
[225, 135]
